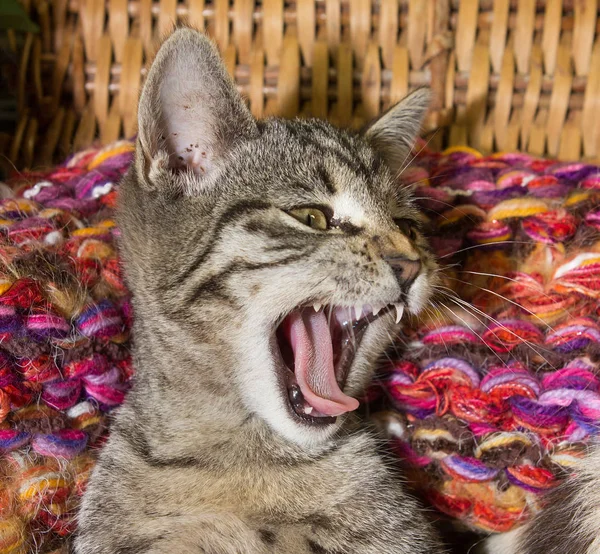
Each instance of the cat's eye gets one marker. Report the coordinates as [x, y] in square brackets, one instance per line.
[311, 217]
[407, 227]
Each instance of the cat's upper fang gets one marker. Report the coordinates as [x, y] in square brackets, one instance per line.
[399, 312]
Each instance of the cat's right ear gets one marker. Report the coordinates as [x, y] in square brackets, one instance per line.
[190, 113]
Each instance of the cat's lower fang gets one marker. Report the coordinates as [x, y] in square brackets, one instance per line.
[305, 410]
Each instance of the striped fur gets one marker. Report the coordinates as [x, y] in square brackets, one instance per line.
[205, 455]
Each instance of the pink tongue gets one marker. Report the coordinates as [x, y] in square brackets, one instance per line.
[310, 339]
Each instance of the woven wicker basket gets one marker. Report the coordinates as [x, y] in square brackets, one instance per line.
[506, 74]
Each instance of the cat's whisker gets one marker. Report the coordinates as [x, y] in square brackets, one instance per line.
[473, 310]
[440, 323]
[393, 345]
[482, 246]
[520, 306]
[405, 165]
[476, 333]
[521, 283]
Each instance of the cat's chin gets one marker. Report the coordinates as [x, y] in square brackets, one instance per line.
[314, 349]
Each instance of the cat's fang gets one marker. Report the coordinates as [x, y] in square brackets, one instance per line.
[399, 312]
[317, 306]
[358, 310]
[376, 309]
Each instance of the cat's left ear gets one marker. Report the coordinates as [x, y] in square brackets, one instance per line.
[395, 132]
[190, 113]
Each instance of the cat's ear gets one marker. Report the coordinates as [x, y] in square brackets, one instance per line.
[395, 132]
[190, 112]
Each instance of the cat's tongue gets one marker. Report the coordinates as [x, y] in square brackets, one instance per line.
[310, 338]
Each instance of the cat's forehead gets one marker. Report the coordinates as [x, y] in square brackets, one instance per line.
[357, 190]
[322, 163]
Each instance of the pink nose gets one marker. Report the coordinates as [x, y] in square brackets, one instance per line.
[405, 270]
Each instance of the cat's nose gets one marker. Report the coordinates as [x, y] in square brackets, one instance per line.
[405, 270]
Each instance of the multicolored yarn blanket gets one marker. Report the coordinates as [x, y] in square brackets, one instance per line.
[496, 392]
[64, 331]
[487, 406]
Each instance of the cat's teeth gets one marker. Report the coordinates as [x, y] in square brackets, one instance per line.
[308, 410]
[358, 309]
[376, 308]
[399, 312]
[317, 306]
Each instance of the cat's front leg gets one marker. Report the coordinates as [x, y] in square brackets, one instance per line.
[357, 537]
[216, 533]
[378, 524]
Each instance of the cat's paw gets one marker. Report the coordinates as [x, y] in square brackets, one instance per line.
[503, 543]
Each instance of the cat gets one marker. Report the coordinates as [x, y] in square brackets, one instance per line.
[270, 263]
[569, 523]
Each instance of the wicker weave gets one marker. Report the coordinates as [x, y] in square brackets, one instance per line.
[506, 74]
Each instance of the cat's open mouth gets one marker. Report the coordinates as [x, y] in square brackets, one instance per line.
[317, 346]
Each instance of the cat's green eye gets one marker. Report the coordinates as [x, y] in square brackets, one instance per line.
[407, 227]
[311, 217]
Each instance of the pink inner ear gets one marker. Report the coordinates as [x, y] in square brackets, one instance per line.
[187, 131]
[190, 108]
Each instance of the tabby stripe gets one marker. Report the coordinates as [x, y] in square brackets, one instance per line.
[327, 181]
[283, 233]
[355, 164]
[214, 283]
[231, 214]
[316, 548]
[140, 447]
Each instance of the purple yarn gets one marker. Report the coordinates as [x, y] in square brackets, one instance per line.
[107, 388]
[84, 207]
[464, 178]
[47, 326]
[11, 439]
[457, 364]
[101, 320]
[554, 190]
[571, 378]
[537, 414]
[84, 184]
[574, 172]
[470, 468]
[499, 376]
[48, 194]
[61, 395]
[589, 401]
[116, 164]
[66, 443]
[493, 197]
[10, 323]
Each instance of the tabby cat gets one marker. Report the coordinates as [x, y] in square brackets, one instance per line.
[270, 263]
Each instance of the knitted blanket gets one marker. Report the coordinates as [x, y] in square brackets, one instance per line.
[64, 356]
[497, 390]
[487, 399]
